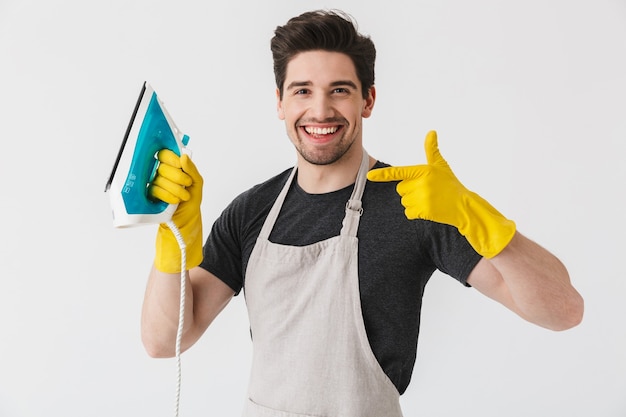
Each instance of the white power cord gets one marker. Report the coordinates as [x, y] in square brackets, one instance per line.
[181, 312]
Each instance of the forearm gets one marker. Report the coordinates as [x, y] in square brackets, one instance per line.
[538, 284]
[161, 310]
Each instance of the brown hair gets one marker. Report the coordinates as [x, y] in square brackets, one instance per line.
[328, 30]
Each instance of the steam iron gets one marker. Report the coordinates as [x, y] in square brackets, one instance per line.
[150, 129]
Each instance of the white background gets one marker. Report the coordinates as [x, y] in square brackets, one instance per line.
[529, 99]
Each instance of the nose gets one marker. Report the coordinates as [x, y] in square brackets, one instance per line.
[321, 107]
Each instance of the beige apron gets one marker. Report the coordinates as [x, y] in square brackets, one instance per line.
[311, 355]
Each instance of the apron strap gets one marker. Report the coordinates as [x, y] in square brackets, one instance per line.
[354, 207]
[268, 225]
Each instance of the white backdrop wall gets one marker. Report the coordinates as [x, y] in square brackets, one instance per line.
[529, 99]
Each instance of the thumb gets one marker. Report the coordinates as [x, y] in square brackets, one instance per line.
[190, 168]
[431, 146]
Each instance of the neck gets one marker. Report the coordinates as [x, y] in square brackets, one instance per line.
[320, 179]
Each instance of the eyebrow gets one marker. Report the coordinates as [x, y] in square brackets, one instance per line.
[338, 83]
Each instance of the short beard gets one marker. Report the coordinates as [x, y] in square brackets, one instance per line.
[327, 158]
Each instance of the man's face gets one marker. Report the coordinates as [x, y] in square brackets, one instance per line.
[323, 106]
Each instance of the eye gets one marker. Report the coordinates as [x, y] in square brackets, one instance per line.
[341, 90]
[301, 91]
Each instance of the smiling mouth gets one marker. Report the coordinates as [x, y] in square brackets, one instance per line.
[320, 131]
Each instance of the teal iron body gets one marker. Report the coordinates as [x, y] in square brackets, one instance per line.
[150, 130]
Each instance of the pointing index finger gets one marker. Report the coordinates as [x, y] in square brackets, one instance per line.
[396, 173]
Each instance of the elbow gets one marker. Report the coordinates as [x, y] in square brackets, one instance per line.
[577, 313]
[571, 314]
[156, 349]
[157, 352]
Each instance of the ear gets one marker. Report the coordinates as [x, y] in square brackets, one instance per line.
[279, 106]
[369, 102]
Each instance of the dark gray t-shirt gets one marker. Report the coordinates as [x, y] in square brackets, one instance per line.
[397, 256]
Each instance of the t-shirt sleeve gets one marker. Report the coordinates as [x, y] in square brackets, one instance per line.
[450, 251]
[233, 235]
[223, 249]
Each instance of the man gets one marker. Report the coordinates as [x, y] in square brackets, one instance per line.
[333, 266]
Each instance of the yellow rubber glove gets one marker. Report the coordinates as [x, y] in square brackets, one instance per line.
[432, 192]
[178, 182]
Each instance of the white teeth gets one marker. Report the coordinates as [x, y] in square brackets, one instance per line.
[320, 130]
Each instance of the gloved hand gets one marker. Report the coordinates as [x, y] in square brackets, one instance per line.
[178, 182]
[432, 192]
